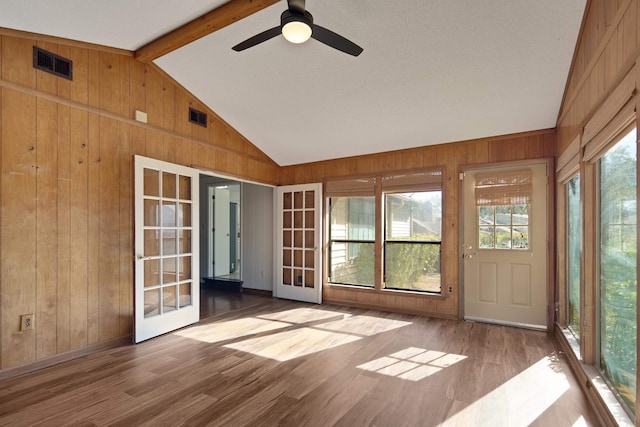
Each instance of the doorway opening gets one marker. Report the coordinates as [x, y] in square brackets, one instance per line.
[236, 241]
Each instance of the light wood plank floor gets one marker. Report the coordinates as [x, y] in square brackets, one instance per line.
[260, 361]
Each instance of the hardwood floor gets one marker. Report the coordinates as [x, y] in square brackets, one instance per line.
[260, 361]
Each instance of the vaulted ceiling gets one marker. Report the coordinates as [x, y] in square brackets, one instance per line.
[431, 71]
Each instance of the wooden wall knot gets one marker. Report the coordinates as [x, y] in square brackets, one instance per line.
[32, 148]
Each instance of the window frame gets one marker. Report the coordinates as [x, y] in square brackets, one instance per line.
[612, 143]
[390, 241]
[415, 180]
[345, 241]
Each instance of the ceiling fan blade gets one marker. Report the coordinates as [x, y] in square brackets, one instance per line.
[296, 6]
[257, 39]
[336, 41]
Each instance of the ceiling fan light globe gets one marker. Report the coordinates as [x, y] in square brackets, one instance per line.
[296, 32]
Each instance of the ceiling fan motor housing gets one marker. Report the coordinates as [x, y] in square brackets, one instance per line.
[289, 16]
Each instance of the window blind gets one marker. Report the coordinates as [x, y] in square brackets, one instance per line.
[569, 161]
[425, 180]
[351, 187]
[504, 188]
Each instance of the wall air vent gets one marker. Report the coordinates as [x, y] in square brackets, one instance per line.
[52, 63]
[198, 117]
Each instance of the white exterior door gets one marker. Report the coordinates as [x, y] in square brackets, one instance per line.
[167, 295]
[298, 242]
[505, 248]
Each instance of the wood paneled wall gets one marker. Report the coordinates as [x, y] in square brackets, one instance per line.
[452, 157]
[66, 225]
[607, 49]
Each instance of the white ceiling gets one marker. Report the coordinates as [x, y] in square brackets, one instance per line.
[431, 72]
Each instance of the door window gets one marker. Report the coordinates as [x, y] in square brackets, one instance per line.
[503, 227]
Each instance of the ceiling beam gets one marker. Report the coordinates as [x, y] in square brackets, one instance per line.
[208, 23]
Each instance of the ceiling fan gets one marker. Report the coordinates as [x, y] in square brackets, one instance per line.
[296, 25]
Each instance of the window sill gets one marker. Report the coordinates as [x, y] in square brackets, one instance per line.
[429, 295]
[596, 382]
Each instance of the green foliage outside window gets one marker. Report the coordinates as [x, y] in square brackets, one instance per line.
[412, 266]
[573, 255]
[618, 268]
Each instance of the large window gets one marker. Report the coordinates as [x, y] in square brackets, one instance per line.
[351, 240]
[573, 230]
[618, 267]
[385, 231]
[413, 238]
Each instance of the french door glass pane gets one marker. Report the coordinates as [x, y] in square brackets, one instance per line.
[618, 267]
[573, 255]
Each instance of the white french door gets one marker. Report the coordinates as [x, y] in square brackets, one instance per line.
[298, 242]
[167, 295]
[505, 250]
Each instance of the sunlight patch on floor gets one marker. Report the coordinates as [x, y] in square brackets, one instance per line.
[288, 334]
[412, 363]
[519, 401]
[302, 315]
[288, 345]
[363, 325]
[230, 329]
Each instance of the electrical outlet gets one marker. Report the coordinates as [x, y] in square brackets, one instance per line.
[450, 289]
[26, 322]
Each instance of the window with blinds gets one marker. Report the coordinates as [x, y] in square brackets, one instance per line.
[407, 246]
[503, 200]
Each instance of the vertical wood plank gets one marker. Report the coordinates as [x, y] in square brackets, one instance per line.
[110, 90]
[93, 231]
[64, 229]
[138, 93]
[125, 87]
[78, 303]
[18, 225]
[46, 231]
[93, 76]
[184, 152]
[169, 149]
[169, 104]
[20, 68]
[80, 84]
[155, 96]
[125, 231]
[108, 267]
[154, 144]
